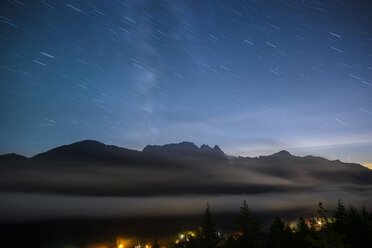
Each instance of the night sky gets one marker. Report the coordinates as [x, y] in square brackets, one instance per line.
[254, 77]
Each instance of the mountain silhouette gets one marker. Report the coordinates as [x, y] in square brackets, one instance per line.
[12, 157]
[185, 149]
[92, 168]
[86, 150]
[282, 154]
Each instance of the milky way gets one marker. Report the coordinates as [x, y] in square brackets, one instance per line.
[254, 77]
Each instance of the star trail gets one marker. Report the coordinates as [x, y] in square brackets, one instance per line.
[253, 77]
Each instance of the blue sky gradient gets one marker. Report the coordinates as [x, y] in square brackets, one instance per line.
[253, 77]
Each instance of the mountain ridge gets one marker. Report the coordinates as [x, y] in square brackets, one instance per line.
[84, 148]
[90, 147]
[92, 168]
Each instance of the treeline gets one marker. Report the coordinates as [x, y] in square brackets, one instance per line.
[345, 228]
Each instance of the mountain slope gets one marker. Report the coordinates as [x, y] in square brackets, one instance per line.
[86, 150]
[92, 168]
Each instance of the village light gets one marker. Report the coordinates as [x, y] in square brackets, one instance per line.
[120, 243]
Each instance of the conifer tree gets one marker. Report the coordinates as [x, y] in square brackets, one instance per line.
[280, 236]
[302, 234]
[249, 228]
[302, 227]
[207, 237]
[340, 210]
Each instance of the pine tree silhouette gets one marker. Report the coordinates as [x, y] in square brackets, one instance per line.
[302, 234]
[280, 235]
[207, 237]
[249, 228]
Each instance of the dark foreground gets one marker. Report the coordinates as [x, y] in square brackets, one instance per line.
[344, 227]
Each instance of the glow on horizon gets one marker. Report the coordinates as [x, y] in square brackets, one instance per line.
[332, 148]
[369, 166]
